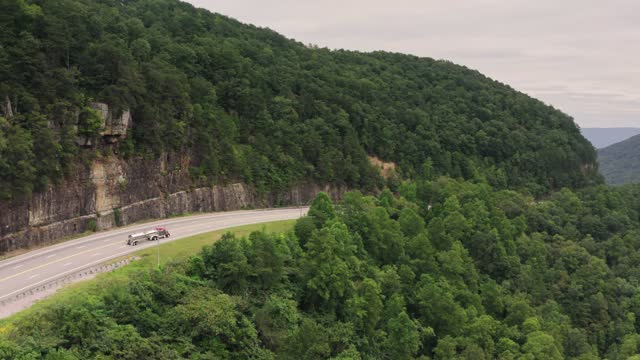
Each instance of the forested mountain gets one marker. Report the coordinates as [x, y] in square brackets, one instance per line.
[497, 240]
[249, 105]
[603, 137]
[448, 270]
[620, 163]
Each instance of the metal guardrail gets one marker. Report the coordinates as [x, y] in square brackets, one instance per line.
[66, 279]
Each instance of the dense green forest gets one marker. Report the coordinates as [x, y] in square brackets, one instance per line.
[447, 270]
[497, 239]
[620, 163]
[250, 105]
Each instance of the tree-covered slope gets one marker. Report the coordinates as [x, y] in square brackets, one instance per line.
[251, 105]
[451, 270]
[620, 163]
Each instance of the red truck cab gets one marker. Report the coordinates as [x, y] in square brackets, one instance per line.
[163, 232]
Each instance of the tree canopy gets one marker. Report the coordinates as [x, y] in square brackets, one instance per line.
[496, 241]
[477, 274]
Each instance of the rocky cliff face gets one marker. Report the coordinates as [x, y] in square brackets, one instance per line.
[114, 126]
[113, 192]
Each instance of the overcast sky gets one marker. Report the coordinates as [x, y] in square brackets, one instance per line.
[581, 56]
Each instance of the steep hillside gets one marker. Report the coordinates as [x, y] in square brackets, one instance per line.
[620, 163]
[603, 137]
[246, 104]
[113, 111]
[459, 272]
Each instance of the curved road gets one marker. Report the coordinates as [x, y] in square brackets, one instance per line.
[39, 267]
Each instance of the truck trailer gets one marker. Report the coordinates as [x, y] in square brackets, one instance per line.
[150, 235]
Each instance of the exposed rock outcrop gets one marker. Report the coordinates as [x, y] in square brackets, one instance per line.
[7, 109]
[115, 126]
[114, 192]
[387, 169]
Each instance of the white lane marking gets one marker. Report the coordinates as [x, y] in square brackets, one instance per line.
[50, 256]
[67, 264]
[96, 254]
[213, 216]
[131, 249]
[81, 247]
[64, 273]
[32, 276]
[18, 266]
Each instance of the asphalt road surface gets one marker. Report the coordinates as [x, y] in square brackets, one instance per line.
[39, 267]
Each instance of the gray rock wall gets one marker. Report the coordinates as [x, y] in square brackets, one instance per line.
[112, 192]
[114, 125]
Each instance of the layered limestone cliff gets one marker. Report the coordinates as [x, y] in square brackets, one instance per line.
[114, 126]
[113, 192]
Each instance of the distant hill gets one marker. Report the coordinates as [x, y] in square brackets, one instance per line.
[603, 137]
[620, 163]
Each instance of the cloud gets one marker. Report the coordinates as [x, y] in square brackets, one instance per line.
[578, 55]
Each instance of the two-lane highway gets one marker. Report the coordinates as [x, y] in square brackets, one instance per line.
[42, 266]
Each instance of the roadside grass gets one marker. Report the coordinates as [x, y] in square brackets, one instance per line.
[171, 251]
[180, 249]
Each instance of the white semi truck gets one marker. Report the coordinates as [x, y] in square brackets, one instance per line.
[150, 235]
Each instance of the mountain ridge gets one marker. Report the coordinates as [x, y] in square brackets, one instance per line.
[620, 162]
[250, 105]
[473, 222]
[605, 136]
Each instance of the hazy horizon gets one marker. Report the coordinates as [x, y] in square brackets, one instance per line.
[611, 127]
[560, 53]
